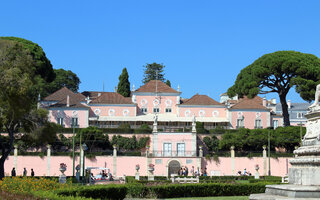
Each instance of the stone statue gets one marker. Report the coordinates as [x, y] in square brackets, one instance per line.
[193, 118]
[155, 119]
[316, 98]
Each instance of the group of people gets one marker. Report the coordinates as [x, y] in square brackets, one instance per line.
[107, 176]
[184, 171]
[25, 172]
[245, 173]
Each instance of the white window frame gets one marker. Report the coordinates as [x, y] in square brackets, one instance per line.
[144, 110]
[158, 110]
[167, 149]
[277, 124]
[77, 121]
[181, 151]
[258, 123]
[240, 123]
[60, 120]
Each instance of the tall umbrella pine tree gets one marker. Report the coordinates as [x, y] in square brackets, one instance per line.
[124, 84]
[277, 73]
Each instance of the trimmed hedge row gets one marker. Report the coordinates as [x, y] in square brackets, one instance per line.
[117, 192]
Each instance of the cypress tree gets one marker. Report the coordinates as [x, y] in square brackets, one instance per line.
[168, 83]
[124, 84]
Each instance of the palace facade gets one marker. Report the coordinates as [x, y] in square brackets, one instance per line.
[174, 113]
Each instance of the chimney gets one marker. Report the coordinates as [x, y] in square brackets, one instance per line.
[264, 102]
[68, 101]
[289, 104]
[99, 94]
[115, 89]
[274, 101]
[178, 88]
[88, 99]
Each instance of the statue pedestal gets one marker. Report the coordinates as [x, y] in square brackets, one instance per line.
[304, 175]
[137, 177]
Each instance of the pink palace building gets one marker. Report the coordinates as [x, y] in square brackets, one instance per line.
[110, 109]
[174, 139]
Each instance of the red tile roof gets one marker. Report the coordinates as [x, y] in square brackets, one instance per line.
[161, 87]
[111, 98]
[59, 95]
[74, 101]
[201, 100]
[246, 103]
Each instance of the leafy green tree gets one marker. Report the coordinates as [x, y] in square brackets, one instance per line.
[41, 67]
[124, 84]
[278, 72]
[289, 137]
[92, 137]
[17, 95]
[212, 143]
[168, 83]
[64, 79]
[200, 127]
[151, 71]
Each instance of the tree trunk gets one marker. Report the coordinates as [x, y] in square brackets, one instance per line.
[285, 113]
[5, 153]
[1, 169]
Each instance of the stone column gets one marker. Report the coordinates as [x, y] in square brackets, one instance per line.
[264, 154]
[81, 161]
[232, 160]
[15, 156]
[48, 159]
[200, 151]
[114, 160]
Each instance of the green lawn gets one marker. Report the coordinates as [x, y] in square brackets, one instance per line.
[215, 198]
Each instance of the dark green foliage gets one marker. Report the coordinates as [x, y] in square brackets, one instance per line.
[93, 137]
[168, 83]
[126, 143]
[289, 137]
[212, 143]
[150, 72]
[254, 139]
[124, 84]
[144, 128]
[113, 192]
[64, 79]
[278, 72]
[200, 128]
[42, 68]
[164, 191]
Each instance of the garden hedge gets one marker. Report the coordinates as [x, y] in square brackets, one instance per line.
[164, 191]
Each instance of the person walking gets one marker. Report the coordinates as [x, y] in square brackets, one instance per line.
[24, 172]
[186, 171]
[32, 172]
[13, 172]
[192, 171]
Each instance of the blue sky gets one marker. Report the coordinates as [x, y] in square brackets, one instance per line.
[203, 44]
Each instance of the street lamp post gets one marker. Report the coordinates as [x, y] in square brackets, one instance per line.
[73, 148]
[84, 148]
[269, 172]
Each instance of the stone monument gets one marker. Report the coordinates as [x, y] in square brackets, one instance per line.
[304, 175]
[155, 124]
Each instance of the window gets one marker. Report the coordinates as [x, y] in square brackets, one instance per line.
[144, 110]
[300, 115]
[240, 123]
[180, 149]
[74, 122]
[167, 149]
[168, 110]
[60, 121]
[156, 110]
[258, 123]
[275, 124]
